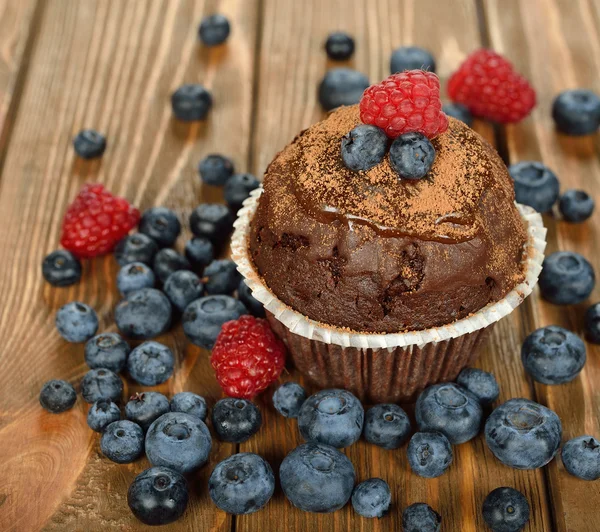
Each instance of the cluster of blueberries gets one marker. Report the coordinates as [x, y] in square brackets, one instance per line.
[520, 433]
[194, 284]
[145, 311]
[316, 476]
[176, 440]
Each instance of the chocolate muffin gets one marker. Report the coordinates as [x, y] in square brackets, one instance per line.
[371, 252]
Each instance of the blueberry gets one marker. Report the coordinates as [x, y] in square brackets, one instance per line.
[89, 144]
[235, 420]
[203, 318]
[161, 225]
[179, 441]
[553, 355]
[101, 383]
[429, 454]
[341, 86]
[143, 314]
[57, 396]
[182, 287]
[158, 496]
[151, 363]
[167, 261]
[420, 517]
[505, 510]
[214, 30]
[372, 498]
[333, 417]
[191, 102]
[411, 58]
[238, 188]
[135, 276]
[481, 384]
[523, 434]
[364, 147]
[143, 408]
[581, 457]
[288, 399]
[411, 155]
[241, 484]
[221, 277]
[387, 426]
[215, 169]
[137, 247]
[255, 307]
[535, 185]
[107, 350]
[199, 252]
[577, 112]
[567, 278]
[213, 221]
[451, 410]
[122, 441]
[317, 478]
[61, 268]
[339, 46]
[101, 414]
[458, 111]
[76, 322]
[576, 206]
[592, 323]
[189, 403]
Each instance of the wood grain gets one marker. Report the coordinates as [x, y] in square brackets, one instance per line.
[291, 64]
[110, 65]
[17, 31]
[556, 45]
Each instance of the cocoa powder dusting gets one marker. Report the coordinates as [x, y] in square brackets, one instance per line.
[442, 205]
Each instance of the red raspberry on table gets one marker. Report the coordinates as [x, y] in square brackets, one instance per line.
[405, 102]
[96, 221]
[247, 357]
[489, 86]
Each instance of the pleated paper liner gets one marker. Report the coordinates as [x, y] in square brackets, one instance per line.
[392, 367]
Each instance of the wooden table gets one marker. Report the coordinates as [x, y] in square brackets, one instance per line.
[111, 65]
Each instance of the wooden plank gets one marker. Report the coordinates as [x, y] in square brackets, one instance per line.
[110, 65]
[556, 45]
[291, 64]
[17, 26]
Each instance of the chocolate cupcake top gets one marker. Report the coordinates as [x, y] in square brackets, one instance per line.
[441, 207]
[373, 252]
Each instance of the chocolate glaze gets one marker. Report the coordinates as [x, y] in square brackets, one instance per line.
[373, 253]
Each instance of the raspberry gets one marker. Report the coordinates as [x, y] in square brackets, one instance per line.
[405, 102]
[96, 221]
[247, 357]
[489, 86]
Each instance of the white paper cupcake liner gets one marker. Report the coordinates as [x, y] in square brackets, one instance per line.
[303, 326]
